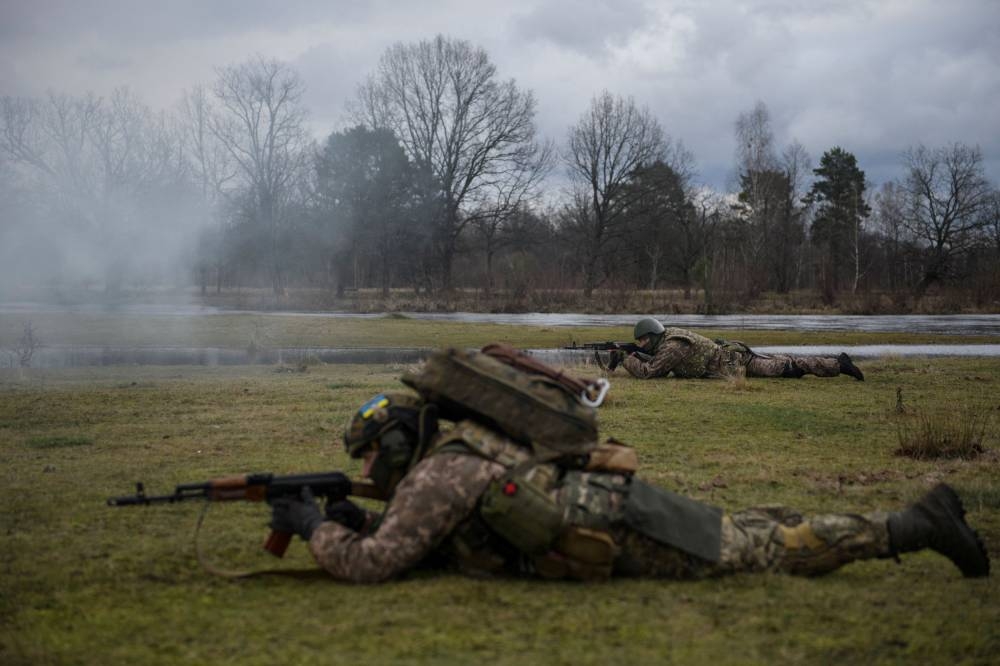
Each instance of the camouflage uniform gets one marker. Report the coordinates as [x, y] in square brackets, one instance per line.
[434, 518]
[691, 356]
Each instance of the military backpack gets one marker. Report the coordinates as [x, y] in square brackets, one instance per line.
[552, 413]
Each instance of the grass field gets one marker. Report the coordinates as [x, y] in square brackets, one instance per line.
[85, 583]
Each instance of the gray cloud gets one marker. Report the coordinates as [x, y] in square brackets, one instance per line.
[873, 76]
[587, 28]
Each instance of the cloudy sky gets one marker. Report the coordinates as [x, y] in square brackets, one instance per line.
[872, 76]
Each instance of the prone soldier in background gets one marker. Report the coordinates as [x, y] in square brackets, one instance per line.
[690, 356]
[474, 500]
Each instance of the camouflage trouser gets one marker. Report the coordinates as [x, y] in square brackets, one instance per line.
[765, 539]
[783, 365]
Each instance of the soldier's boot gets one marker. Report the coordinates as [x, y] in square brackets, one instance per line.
[792, 370]
[937, 522]
[847, 367]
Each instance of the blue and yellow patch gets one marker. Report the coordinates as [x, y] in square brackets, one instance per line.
[378, 402]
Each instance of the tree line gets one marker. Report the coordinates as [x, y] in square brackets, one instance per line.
[442, 181]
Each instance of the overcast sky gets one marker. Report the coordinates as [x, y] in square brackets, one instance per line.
[873, 77]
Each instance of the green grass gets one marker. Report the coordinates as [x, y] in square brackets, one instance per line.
[57, 442]
[84, 583]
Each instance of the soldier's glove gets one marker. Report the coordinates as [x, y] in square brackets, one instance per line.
[298, 515]
[346, 513]
[616, 357]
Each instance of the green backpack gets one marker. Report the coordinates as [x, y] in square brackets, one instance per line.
[531, 402]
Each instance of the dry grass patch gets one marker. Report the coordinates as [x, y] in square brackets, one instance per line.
[957, 434]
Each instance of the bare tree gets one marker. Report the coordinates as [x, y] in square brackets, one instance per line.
[762, 190]
[260, 124]
[214, 172]
[473, 132]
[991, 221]
[502, 211]
[94, 167]
[947, 193]
[788, 240]
[610, 143]
[890, 210]
[50, 140]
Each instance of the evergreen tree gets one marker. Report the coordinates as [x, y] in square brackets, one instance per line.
[839, 196]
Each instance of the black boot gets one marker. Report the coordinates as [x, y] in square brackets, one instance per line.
[847, 367]
[937, 522]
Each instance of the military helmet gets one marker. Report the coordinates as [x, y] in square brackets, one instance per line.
[648, 326]
[382, 413]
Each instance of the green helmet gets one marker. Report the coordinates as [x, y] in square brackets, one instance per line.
[648, 326]
[384, 412]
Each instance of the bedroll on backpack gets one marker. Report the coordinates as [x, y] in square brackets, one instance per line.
[529, 401]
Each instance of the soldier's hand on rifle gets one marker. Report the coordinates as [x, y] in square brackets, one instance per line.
[298, 515]
[346, 513]
[615, 359]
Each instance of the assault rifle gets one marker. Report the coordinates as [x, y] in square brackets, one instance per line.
[598, 347]
[334, 486]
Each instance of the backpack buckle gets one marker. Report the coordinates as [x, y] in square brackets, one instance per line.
[602, 390]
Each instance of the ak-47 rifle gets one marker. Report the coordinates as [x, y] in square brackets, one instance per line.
[615, 359]
[334, 486]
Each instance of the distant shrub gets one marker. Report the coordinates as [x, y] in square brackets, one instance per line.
[956, 434]
[58, 442]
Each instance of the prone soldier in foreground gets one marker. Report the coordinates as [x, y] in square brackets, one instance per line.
[690, 356]
[472, 499]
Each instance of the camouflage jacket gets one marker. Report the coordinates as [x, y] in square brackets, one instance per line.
[682, 352]
[430, 503]
[433, 516]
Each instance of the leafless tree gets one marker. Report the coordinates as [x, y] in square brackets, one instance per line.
[214, 172]
[260, 123]
[947, 193]
[890, 209]
[93, 165]
[991, 220]
[210, 159]
[787, 254]
[612, 140]
[502, 214]
[50, 140]
[473, 132]
[761, 190]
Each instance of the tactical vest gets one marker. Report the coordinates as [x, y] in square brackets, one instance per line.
[556, 518]
[704, 358]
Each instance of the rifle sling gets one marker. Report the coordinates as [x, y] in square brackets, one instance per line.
[237, 575]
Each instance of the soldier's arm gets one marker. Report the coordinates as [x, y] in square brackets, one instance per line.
[437, 495]
[670, 353]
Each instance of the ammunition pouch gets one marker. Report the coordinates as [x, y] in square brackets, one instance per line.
[560, 519]
[519, 506]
